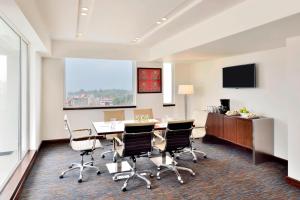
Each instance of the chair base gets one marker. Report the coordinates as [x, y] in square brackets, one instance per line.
[81, 167]
[133, 174]
[175, 169]
[192, 151]
[109, 152]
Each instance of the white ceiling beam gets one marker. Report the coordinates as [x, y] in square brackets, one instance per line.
[244, 16]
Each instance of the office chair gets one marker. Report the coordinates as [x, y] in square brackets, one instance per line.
[192, 150]
[137, 141]
[177, 138]
[145, 113]
[117, 115]
[85, 144]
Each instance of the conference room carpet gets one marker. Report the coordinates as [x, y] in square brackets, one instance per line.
[227, 173]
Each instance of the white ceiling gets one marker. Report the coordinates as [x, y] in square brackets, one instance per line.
[121, 21]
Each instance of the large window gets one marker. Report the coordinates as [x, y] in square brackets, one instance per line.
[168, 83]
[13, 101]
[99, 83]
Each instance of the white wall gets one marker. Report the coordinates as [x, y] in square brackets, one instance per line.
[268, 99]
[52, 106]
[293, 108]
[35, 98]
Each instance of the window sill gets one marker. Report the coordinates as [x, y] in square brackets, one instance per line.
[169, 104]
[92, 108]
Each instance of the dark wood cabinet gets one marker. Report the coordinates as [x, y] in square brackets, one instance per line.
[254, 134]
[244, 132]
[214, 125]
[232, 129]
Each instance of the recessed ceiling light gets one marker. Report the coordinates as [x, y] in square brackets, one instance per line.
[83, 14]
[164, 19]
[158, 22]
[137, 38]
[79, 34]
[84, 9]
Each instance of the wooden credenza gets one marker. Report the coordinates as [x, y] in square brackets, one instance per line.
[254, 134]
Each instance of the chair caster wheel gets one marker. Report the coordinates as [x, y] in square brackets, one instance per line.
[193, 174]
[70, 167]
[177, 157]
[124, 189]
[103, 156]
[158, 168]
[92, 164]
[158, 178]
[151, 175]
[114, 161]
[205, 157]
[195, 161]
[98, 172]
[79, 180]
[181, 182]
[61, 176]
[148, 186]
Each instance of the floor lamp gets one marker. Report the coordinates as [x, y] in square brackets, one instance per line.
[185, 90]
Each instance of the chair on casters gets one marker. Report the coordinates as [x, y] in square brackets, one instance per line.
[85, 144]
[114, 115]
[192, 150]
[177, 138]
[137, 141]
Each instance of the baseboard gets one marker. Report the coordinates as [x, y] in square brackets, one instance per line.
[56, 141]
[292, 181]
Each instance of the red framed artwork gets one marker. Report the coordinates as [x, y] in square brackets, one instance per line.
[149, 80]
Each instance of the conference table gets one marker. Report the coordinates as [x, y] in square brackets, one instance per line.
[117, 127]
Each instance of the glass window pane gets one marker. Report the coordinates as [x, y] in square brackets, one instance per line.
[97, 83]
[9, 100]
[167, 83]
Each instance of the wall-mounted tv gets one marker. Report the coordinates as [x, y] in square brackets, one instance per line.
[241, 76]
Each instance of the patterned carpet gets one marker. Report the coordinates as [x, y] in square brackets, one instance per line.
[228, 173]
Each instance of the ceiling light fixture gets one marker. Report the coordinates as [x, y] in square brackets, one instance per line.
[84, 9]
[79, 34]
[83, 14]
[137, 38]
[164, 19]
[158, 22]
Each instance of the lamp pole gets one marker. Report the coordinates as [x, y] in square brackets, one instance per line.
[185, 106]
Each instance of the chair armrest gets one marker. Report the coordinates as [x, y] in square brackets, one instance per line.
[118, 141]
[158, 135]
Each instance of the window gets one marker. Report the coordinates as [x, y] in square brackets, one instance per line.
[168, 83]
[99, 83]
[14, 133]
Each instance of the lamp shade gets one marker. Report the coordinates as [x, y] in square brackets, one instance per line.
[185, 89]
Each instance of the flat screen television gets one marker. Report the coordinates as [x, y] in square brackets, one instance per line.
[241, 76]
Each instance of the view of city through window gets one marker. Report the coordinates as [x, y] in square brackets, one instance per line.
[98, 83]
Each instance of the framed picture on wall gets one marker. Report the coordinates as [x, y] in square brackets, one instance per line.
[149, 80]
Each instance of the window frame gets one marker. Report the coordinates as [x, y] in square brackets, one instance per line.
[172, 103]
[102, 107]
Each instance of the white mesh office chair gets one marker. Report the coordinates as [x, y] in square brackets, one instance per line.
[85, 143]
